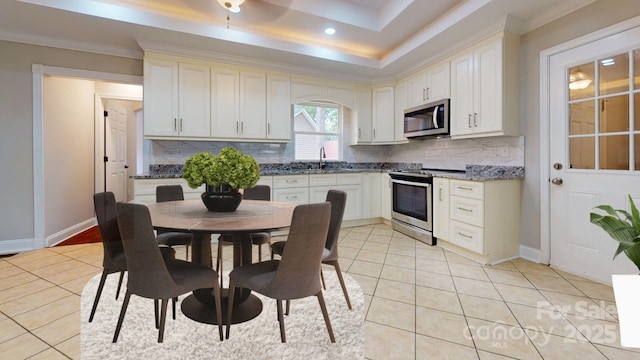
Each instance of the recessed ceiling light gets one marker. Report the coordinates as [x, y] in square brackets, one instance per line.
[329, 31]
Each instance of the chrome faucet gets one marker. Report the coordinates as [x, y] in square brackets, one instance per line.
[323, 155]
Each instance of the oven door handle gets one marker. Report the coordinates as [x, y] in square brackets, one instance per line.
[411, 183]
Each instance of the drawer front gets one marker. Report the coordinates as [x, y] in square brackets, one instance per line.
[322, 180]
[470, 211]
[350, 179]
[293, 195]
[467, 236]
[471, 189]
[290, 181]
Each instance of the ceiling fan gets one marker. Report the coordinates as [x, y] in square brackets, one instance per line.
[256, 11]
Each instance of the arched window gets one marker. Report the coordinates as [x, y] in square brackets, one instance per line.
[317, 125]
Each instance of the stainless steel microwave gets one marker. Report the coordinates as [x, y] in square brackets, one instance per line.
[427, 120]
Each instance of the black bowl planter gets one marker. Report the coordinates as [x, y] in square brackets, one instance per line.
[221, 198]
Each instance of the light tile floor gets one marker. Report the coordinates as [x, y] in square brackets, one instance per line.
[422, 302]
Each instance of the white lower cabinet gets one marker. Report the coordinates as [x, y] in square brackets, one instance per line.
[351, 184]
[385, 196]
[363, 190]
[483, 218]
[144, 190]
[291, 188]
[441, 208]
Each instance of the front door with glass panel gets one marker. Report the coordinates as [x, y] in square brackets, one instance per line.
[594, 150]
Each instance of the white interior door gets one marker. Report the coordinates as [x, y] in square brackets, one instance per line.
[594, 150]
[116, 151]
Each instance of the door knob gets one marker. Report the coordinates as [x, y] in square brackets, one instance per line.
[556, 181]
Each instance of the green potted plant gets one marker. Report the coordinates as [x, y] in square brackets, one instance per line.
[224, 174]
[624, 227]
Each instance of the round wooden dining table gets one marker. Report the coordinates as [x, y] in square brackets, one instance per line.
[191, 216]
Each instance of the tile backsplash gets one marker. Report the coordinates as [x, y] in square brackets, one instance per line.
[432, 153]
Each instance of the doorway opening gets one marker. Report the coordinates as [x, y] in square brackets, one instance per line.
[64, 146]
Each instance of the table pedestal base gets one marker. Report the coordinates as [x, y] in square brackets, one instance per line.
[197, 311]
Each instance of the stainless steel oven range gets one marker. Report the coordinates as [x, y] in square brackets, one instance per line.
[412, 206]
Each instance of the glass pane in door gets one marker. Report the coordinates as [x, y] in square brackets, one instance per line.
[614, 152]
[614, 114]
[614, 74]
[582, 118]
[583, 153]
[581, 84]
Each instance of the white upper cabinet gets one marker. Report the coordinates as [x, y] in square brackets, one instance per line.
[429, 85]
[225, 100]
[361, 131]
[400, 105]
[253, 103]
[279, 109]
[250, 105]
[176, 99]
[484, 89]
[195, 102]
[383, 116]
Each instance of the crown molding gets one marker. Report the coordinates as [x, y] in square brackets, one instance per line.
[151, 46]
[70, 45]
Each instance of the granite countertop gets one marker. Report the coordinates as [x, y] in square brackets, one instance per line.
[484, 173]
[472, 172]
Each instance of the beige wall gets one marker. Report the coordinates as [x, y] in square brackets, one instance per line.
[597, 15]
[16, 138]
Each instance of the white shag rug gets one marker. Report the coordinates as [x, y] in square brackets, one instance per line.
[259, 338]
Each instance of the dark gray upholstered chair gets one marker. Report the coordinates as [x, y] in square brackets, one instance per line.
[258, 192]
[113, 260]
[338, 200]
[296, 274]
[150, 276]
[172, 238]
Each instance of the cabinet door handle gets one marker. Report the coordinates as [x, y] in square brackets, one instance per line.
[291, 181]
[464, 188]
[175, 124]
[292, 197]
[427, 93]
[469, 120]
[237, 127]
[440, 194]
[268, 129]
[181, 128]
[475, 116]
[359, 133]
[465, 209]
[465, 235]
[374, 133]
[424, 94]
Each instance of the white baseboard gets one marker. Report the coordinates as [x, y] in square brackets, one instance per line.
[16, 246]
[530, 254]
[60, 236]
